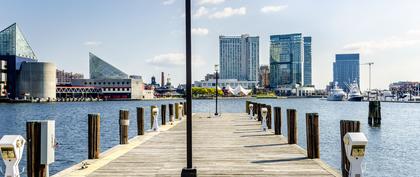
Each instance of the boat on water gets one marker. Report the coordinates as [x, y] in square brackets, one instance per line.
[355, 94]
[336, 94]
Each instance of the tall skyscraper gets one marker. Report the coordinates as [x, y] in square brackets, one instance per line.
[307, 66]
[287, 60]
[346, 69]
[239, 57]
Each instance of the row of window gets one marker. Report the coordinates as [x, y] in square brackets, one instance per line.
[116, 89]
[106, 83]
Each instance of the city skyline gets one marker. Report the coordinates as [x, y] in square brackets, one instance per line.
[128, 38]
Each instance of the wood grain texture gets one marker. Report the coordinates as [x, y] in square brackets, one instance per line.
[229, 146]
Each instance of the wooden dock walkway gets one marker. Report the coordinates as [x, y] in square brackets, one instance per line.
[231, 145]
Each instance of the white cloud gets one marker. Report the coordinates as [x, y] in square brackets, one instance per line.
[174, 60]
[409, 39]
[228, 12]
[92, 43]
[202, 11]
[168, 2]
[200, 31]
[204, 2]
[271, 9]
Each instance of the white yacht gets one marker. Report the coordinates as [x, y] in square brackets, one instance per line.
[354, 94]
[336, 94]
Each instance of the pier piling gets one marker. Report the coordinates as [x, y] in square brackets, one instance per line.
[292, 126]
[374, 118]
[176, 110]
[171, 112]
[312, 135]
[247, 107]
[277, 120]
[345, 127]
[140, 121]
[124, 122]
[94, 135]
[33, 138]
[185, 108]
[163, 114]
[269, 117]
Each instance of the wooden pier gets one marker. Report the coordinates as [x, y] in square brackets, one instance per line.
[232, 145]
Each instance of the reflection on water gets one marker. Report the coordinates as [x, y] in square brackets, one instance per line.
[393, 149]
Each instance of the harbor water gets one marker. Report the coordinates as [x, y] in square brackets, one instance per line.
[393, 149]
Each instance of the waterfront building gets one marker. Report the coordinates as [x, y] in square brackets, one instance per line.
[307, 63]
[346, 69]
[210, 76]
[34, 77]
[287, 60]
[298, 91]
[64, 77]
[37, 80]
[239, 57]
[99, 69]
[402, 87]
[234, 83]
[114, 89]
[264, 76]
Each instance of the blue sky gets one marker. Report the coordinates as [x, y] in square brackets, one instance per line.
[146, 37]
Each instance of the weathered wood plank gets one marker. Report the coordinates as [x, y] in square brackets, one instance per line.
[229, 146]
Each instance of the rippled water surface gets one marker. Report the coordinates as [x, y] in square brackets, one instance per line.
[393, 149]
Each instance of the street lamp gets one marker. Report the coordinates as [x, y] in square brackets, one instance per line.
[188, 171]
[216, 68]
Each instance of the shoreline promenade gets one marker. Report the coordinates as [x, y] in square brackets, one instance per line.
[232, 145]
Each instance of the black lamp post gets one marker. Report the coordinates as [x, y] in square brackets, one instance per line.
[188, 171]
[216, 68]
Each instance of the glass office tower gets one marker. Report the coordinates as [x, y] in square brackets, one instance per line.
[239, 57]
[307, 66]
[346, 70]
[286, 60]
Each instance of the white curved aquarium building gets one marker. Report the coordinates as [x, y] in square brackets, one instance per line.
[38, 80]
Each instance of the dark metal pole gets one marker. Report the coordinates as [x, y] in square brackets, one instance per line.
[217, 92]
[189, 171]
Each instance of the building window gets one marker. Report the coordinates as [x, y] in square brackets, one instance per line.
[113, 83]
[85, 83]
[90, 83]
[113, 89]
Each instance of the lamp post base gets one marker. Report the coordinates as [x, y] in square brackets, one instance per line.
[189, 172]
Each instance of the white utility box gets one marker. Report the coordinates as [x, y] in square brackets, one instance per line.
[47, 141]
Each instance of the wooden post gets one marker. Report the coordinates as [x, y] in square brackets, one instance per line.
[163, 114]
[94, 136]
[151, 116]
[140, 121]
[292, 135]
[255, 112]
[185, 108]
[176, 110]
[312, 135]
[374, 118]
[247, 107]
[171, 112]
[33, 138]
[345, 127]
[124, 122]
[277, 120]
[269, 119]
